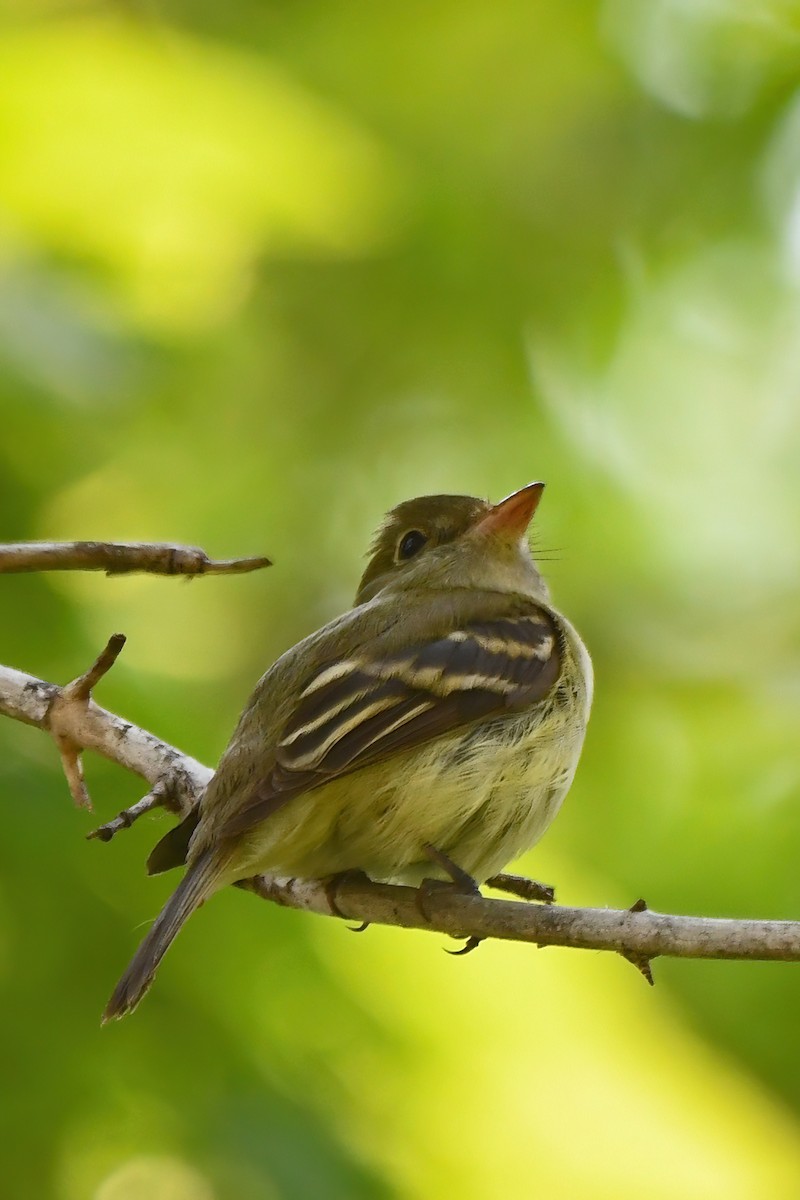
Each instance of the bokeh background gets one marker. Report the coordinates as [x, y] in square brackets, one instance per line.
[265, 270]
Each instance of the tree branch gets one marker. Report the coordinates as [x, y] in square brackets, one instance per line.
[76, 723]
[119, 558]
[637, 934]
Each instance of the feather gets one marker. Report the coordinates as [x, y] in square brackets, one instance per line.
[357, 711]
[173, 847]
[201, 879]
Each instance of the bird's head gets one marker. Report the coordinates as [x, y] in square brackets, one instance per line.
[453, 542]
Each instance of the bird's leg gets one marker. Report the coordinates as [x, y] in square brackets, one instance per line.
[526, 889]
[460, 881]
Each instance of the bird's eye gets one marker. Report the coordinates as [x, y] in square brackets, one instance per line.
[410, 544]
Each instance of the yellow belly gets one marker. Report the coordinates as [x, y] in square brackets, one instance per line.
[483, 795]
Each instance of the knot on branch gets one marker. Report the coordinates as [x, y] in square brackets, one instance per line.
[640, 961]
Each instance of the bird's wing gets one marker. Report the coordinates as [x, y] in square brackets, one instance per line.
[359, 709]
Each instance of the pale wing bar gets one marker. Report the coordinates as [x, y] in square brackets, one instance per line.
[357, 711]
[376, 705]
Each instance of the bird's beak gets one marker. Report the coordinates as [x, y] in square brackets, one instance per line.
[511, 517]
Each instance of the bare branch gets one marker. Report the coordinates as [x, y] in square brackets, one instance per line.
[119, 558]
[638, 934]
[643, 934]
[83, 725]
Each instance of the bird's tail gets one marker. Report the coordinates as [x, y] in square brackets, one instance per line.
[198, 883]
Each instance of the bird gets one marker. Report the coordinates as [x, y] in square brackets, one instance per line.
[429, 732]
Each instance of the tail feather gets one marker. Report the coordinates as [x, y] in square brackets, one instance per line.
[197, 884]
[171, 851]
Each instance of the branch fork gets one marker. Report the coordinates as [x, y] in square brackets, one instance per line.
[66, 716]
[66, 719]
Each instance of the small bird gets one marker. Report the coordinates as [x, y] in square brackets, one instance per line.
[432, 731]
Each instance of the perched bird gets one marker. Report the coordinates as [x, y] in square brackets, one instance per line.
[437, 723]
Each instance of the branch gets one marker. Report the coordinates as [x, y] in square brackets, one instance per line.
[77, 723]
[119, 558]
[637, 934]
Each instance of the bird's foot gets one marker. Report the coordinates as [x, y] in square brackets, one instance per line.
[459, 878]
[459, 881]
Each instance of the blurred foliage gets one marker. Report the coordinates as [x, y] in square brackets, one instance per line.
[265, 270]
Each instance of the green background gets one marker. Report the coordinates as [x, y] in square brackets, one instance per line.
[267, 269]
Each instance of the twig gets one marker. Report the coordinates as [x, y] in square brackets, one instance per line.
[638, 934]
[159, 796]
[119, 558]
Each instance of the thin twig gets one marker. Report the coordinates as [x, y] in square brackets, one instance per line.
[119, 558]
[157, 797]
[81, 688]
[638, 934]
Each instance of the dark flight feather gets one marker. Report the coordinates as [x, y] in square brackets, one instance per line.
[356, 712]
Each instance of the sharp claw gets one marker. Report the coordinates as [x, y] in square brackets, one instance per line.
[471, 944]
